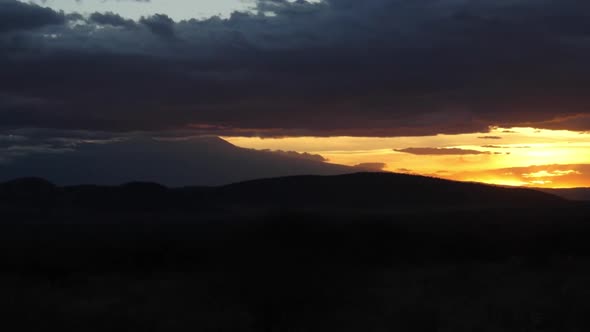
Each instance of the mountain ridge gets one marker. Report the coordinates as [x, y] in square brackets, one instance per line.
[362, 190]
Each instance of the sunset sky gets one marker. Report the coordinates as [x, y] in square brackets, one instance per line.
[515, 156]
[471, 90]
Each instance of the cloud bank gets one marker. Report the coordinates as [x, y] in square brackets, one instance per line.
[335, 67]
[170, 161]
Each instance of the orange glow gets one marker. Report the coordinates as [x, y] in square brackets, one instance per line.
[515, 156]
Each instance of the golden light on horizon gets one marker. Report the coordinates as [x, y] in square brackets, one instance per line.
[503, 156]
[501, 182]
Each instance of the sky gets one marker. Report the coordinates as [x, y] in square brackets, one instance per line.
[515, 157]
[175, 9]
[491, 91]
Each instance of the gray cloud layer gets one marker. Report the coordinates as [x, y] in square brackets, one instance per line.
[15, 16]
[111, 19]
[195, 161]
[372, 67]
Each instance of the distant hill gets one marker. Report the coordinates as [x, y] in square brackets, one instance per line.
[377, 190]
[360, 191]
[574, 194]
[195, 161]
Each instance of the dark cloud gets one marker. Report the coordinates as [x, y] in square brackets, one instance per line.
[490, 137]
[159, 24]
[16, 16]
[337, 67]
[580, 122]
[440, 151]
[111, 19]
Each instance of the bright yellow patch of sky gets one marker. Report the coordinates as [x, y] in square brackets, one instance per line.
[507, 156]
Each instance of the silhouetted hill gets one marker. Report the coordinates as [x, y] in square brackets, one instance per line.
[574, 194]
[377, 190]
[28, 194]
[364, 191]
[357, 247]
[27, 186]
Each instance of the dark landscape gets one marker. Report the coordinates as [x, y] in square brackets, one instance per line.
[574, 194]
[295, 165]
[358, 252]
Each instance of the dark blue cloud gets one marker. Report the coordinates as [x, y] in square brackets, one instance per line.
[112, 19]
[159, 24]
[338, 67]
[17, 16]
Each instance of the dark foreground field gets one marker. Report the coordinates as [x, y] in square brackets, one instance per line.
[147, 258]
